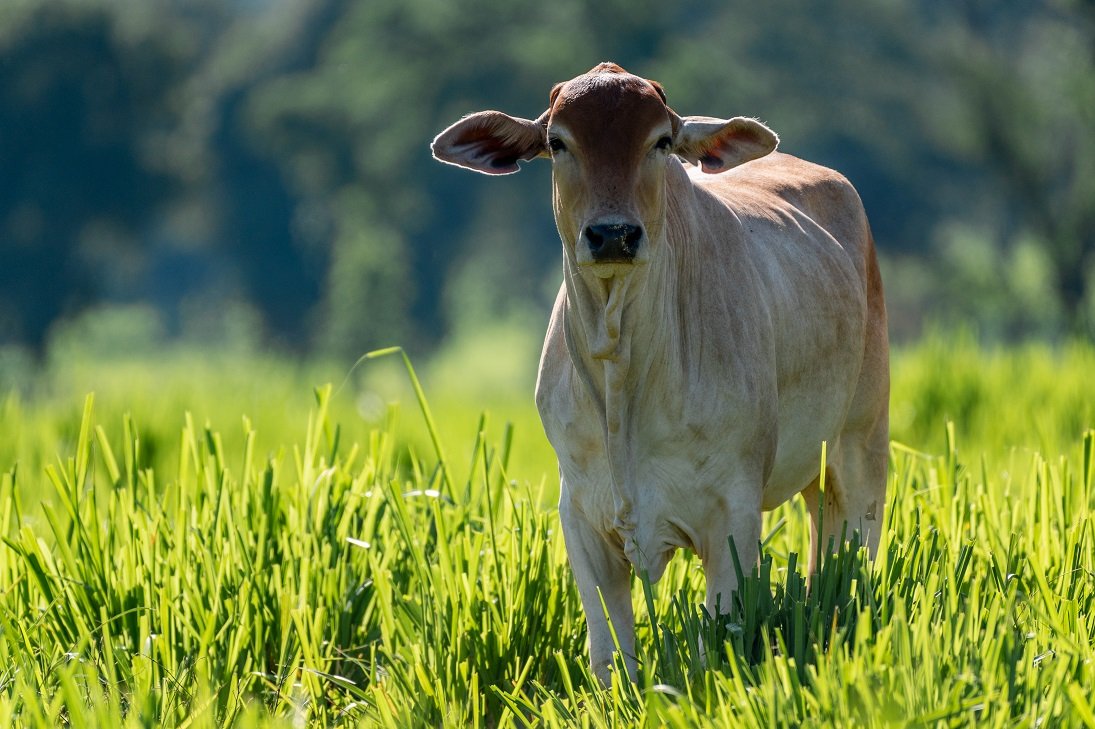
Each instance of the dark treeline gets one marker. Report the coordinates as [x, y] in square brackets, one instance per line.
[267, 162]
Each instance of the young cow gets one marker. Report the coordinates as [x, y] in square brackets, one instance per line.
[717, 321]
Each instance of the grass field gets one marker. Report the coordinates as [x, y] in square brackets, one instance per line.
[211, 541]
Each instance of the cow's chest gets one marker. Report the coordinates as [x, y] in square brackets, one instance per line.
[656, 483]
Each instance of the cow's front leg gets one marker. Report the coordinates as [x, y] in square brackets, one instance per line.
[742, 521]
[602, 573]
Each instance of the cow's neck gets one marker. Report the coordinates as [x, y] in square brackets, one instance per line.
[626, 331]
[621, 335]
[616, 327]
[627, 338]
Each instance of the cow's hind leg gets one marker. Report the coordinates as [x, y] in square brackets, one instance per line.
[855, 492]
[855, 480]
[602, 573]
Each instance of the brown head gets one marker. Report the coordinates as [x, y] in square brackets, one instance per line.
[610, 136]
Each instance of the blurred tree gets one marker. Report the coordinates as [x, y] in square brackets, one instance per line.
[270, 159]
[129, 175]
[1024, 82]
[77, 100]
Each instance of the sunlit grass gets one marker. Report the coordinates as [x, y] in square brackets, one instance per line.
[210, 542]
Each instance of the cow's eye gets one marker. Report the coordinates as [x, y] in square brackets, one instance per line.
[664, 143]
[556, 145]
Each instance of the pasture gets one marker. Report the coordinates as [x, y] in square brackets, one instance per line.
[224, 540]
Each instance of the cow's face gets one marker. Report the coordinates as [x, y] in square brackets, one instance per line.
[610, 136]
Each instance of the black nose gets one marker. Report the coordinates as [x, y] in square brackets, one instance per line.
[617, 242]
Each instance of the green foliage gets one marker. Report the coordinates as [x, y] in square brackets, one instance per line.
[303, 566]
[272, 158]
[1024, 398]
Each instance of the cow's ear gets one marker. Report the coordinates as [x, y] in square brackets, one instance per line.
[719, 144]
[490, 142]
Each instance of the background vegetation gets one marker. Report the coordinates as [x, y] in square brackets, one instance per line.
[233, 166]
[210, 208]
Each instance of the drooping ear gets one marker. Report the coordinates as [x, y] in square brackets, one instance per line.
[720, 144]
[490, 142]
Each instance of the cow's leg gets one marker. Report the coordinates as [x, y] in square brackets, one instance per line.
[602, 573]
[855, 491]
[742, 521]
[855, 483]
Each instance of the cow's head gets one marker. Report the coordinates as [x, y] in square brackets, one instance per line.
[610, 136]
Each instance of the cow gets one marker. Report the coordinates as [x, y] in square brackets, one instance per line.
[721, 316]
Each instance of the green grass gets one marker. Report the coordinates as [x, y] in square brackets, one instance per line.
[210, 542]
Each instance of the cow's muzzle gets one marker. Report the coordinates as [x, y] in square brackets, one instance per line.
[613, 243]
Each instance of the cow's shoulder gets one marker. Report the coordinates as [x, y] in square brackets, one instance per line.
[782, 184]
[789, 178]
